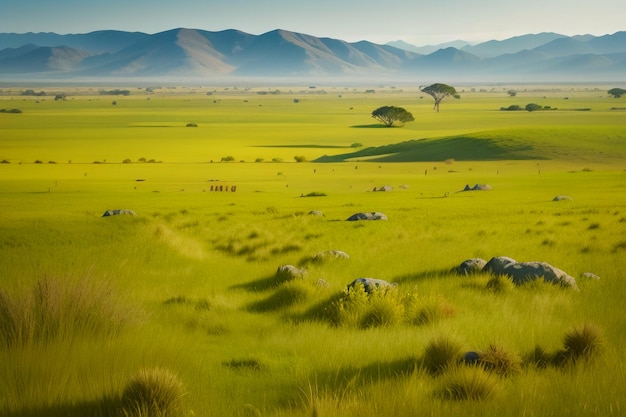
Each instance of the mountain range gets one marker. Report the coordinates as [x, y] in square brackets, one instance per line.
[192, 53]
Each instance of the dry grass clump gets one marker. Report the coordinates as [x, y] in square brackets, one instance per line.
[499, 284]
[153, 392]
[55, 308]
[499, 361]
[581, 343]
[356, 307]
[441, 354]
[429, 310]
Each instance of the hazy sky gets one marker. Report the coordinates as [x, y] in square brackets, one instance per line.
[414, 21]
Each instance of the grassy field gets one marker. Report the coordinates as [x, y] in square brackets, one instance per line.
[183, 300]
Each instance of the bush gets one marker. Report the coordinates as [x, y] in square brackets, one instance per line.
[513, 107]
[15, 111]
[300, 158]
[153, 392]
[384, 309]
[532, 107]
[227, 158]
[441, 354]
[468, 383]
[191, 125]
[497, 360]
[581, 343]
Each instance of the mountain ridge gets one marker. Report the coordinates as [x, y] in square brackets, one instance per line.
[184, 52]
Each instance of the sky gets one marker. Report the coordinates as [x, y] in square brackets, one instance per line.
[380, 21]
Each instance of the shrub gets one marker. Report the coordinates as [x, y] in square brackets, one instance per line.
[315, 194]
[430, 310]
[581, 343]
[356, 145]
[300, 158]
[497, 360]
[468, 383]
[153, 392]
[191, 125]
[532, 107]
[441, 354]
[384, 309]
[228, 158]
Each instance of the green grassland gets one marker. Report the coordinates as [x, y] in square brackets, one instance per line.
[189, 284]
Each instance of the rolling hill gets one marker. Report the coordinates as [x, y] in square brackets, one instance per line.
[191, 53]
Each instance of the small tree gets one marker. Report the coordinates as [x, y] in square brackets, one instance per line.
[389, 115]
[533, 107]
[616, 92]
[439, 91]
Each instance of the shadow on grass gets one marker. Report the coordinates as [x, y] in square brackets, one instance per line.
[259, 285]
[358, 376]
[425, 275]
[97, 408]
[372, 126]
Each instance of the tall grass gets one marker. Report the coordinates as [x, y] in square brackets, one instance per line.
[59, 309]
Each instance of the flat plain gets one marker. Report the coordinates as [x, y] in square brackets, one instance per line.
[189, 285]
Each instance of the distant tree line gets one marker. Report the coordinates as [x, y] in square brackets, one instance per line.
[33, 93]
[115, 92]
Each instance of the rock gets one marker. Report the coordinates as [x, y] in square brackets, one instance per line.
[287, 273]
[370, 284]
[471, 357]
[316, 213]
[562, 198]
[322, 283]
[590, 275]
[118, 212]
[477, 187]
[470, 266]
[374, 215]
[522, 272]
[482, 187]
[385, 188]
[331, 254]
[497, 265]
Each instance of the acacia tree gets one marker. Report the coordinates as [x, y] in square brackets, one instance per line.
[439, 91]
[616, 92]
[391, 114]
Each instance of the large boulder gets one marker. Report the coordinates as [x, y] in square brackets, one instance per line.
[498, 264]
[470, 266]
[374, 215]
[522, 272]
[287, 273]
[370, 284]
[118, 212]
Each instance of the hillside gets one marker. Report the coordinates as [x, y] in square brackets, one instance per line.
[589, 144]
[191, 53]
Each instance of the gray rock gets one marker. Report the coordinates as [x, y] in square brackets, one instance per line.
[370, 284]
[471, 266]
[118, 212]
[316, 213]
[287, 273]
[497, 265]
[482, 187]
[522, 272]
[374, 215]
[385, 188]
[471, 357]
[330, 255]
[590, 275]
[562, 198]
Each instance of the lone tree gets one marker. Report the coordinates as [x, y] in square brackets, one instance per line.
[391, 114]
[616, 92]
[439, 92]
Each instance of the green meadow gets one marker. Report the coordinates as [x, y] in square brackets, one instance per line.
[179, 310]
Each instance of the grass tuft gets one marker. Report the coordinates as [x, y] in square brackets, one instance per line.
[153, 392]
[467, 384]
[499, 361]
[581, 343]
[441, 354]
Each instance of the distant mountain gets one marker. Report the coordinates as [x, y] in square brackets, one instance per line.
[512, 45]
[427, 49]
[197, 54]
